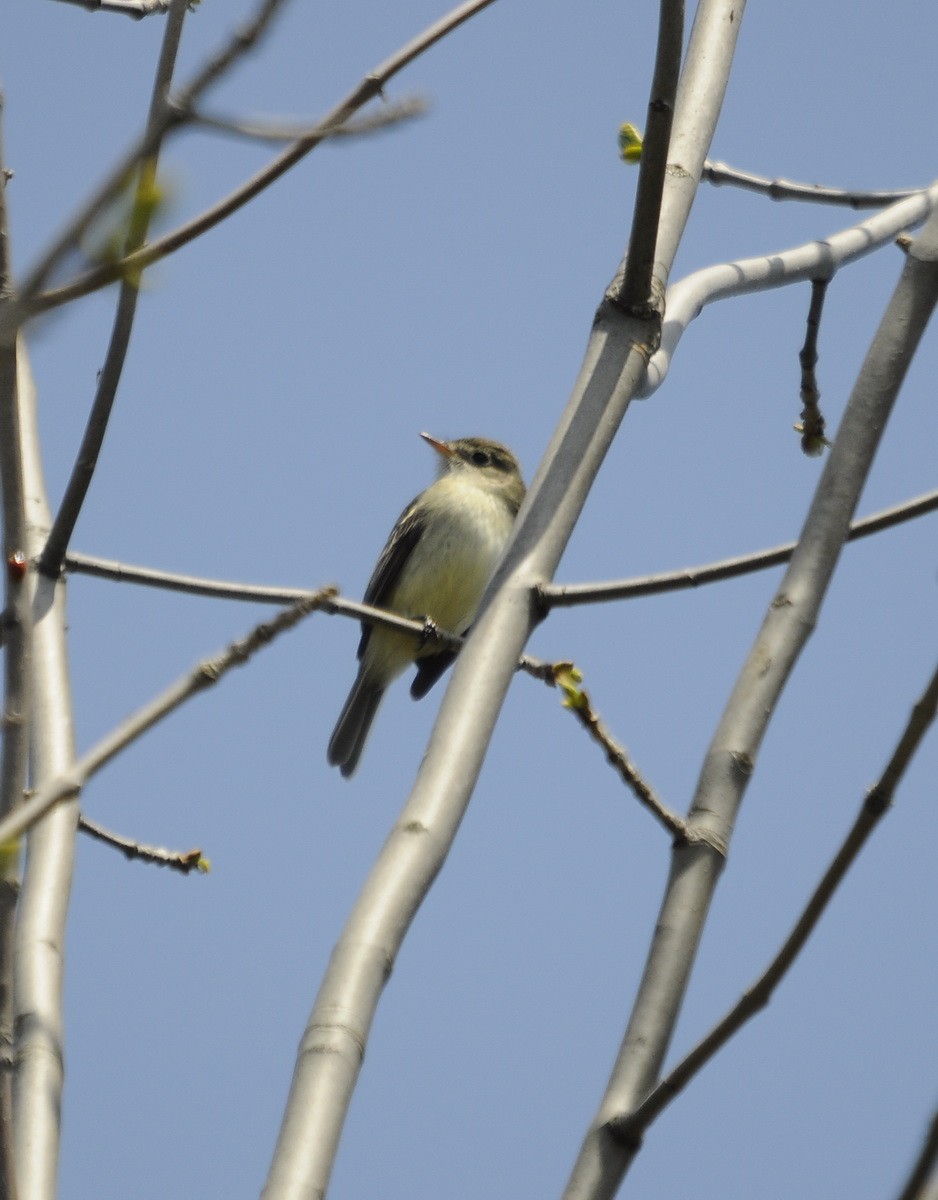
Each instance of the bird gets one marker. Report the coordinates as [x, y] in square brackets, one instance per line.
[435, 566]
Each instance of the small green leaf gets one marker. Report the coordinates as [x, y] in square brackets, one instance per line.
[630, 143]
[568, 679]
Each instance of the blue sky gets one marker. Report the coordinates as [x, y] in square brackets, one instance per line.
[443, 276]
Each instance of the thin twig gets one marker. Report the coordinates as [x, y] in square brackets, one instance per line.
[564, 675]
[385, 118]
[550, 596]
[82, 472]
[332, 605]
[239, 43]
[174, 581]
[635, 287]
[877, 802]
[812, 424]
[371, 86]
[183, 861]
[204, 675]
[719, 173]
[567, 595]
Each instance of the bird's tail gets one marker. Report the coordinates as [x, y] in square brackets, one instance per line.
[354, 723]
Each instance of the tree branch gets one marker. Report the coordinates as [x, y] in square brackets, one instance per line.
[371, 86]
[331, 1048]
[564, 675]
[43, 904]
[50, 562]
[813, 260]
[730, 760]
[812, 424]
[68, 784]
[877, 802]
[720, 174]
[183, 861]
[239, 43]
[393, 113]
[333, 604]
[565, 595]
[637, 286]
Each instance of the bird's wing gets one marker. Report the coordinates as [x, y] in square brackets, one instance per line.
[400, 545]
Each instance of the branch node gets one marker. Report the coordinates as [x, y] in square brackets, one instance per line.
[626, 1132]
[183, 861]
[742, 762]
[878, 800]
[694, 835]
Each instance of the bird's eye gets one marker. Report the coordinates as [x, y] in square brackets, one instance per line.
[480, 458]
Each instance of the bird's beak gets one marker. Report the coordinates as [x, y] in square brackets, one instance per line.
[440, 447]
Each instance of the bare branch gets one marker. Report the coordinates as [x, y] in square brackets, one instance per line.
[549, 596]
[719, 174]
[204, 675]
[730, 759]
[50, 563]
[874, 807]
[240, 42]
[813, 260]
[183, 861]
[194, 585]
[565, 676]
[812, 424]
[330, 1055]
[43, 904]
[568, 594]
[636, 286]
[371, 86]
[391, 114]
[332, 604]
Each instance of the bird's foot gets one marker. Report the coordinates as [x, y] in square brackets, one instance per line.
[431, 632]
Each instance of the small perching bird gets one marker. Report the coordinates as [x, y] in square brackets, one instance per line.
[437, 562]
